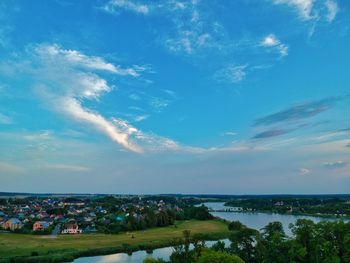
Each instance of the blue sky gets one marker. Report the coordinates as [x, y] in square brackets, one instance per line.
[133, 96]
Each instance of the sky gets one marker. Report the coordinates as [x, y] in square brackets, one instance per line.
[172, 96]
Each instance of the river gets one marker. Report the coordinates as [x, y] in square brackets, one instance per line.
[253, 220]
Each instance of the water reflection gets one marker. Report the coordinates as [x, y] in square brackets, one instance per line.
[253, 220]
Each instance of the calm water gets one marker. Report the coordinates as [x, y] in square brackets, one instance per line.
[136, 257]
[253, 220]
[259, 220]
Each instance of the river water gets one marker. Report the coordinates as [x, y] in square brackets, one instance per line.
[252, 220]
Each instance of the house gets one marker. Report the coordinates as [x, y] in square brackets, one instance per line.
[71, 228]
[13, 224]
[40, 225]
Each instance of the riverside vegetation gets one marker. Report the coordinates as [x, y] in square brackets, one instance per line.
[324, 242]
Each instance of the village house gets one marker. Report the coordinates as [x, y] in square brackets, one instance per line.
[40, 225]
[71, 228]
[13, 224]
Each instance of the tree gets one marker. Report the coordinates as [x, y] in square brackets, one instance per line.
[235, 226]
[304, 232]
[243, 243]
[211, 256]
[219, 246]
[272, 246]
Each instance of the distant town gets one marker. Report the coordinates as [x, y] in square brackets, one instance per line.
[112, 214]
[108, 214]
[62, 228]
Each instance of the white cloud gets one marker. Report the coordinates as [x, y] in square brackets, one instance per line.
[271, 41]
[303, 7]
[332, 8]
[65, 78]
[54, 53]
[114, 5]
[304, 171]
[313, 9]
[73, 108]
[5, 119]
[190, 32]
[141, 117]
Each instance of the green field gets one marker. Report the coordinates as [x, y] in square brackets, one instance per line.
[19, 245]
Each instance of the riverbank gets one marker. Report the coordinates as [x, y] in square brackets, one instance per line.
[326, 216]
[29, 248]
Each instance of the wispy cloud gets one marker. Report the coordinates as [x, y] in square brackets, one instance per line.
[230, 133]
[65, 78]
[5, 120]
[298, 112]
[335, 165]
[304, 171]
[272, 42]
[158, 104]
[332, 7]
[312, 9]
[139, 118]
[114, 6]
[232, 73]
[303, 7]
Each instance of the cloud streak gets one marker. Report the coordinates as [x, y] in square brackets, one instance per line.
[113, 6]
[270, 133]
[335, 165]
[298, 112]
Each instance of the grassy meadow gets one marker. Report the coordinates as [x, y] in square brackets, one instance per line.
[20, 246]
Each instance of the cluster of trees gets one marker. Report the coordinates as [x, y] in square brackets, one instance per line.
[199, 254]
[330, 205]
[323, 242]
[153, 218]
[194, 212]
[326, 242]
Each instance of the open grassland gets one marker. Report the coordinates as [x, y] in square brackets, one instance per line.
[17, 246]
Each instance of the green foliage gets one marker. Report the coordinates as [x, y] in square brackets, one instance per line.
[211, 256]
[235, 226]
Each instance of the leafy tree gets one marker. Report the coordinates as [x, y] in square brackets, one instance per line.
[243, 243]
[219, 246]
[211, 256]
[235, 226]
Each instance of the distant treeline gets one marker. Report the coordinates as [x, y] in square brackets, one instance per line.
[312, 206]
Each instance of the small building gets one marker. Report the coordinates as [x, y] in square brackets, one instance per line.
[40, 225]
[13, 224]
[71, 228]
